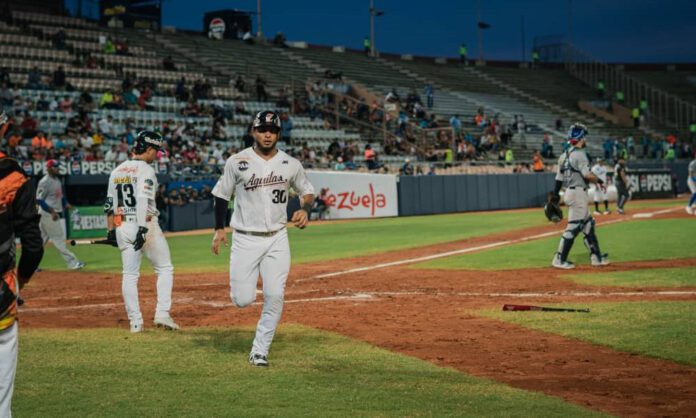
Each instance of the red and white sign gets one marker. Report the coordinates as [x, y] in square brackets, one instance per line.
[357, 195]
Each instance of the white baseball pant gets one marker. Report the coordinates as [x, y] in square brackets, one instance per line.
[156, 250]
[55, 232]
[269, 256]
[692, 185]
[8, 367]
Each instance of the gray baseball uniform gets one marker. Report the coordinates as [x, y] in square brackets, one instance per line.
[573, 167]
[49, 195]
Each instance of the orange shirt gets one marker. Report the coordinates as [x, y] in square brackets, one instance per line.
[538, 164]
[369, 154]
[41, 142]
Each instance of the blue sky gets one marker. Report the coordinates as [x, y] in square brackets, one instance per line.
[611, 30]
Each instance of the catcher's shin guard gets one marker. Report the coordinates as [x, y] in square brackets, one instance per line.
[568, 237]
[590, 240]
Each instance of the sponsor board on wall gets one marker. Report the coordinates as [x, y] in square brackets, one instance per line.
[66, 168]
[357, 195]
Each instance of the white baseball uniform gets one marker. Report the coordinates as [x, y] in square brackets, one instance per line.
[50, 191]
[132, 188]
[691, 181]
[260, 239]
[601, 172]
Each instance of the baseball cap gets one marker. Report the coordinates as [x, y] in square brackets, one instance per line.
[52, 163]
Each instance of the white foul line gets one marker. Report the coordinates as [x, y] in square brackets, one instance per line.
[466, 250]
[374, 296]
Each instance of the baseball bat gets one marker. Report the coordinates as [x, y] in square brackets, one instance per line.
[508, 307]
[75, 242]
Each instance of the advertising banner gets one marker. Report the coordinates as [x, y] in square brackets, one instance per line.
[87, 222]
[651, 183]
[357, 195]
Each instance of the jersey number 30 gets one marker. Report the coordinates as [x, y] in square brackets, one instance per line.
[279, 196]
[127, 190]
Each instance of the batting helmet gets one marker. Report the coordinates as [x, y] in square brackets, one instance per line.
[147, 139]
[576, 133]
[267, 119]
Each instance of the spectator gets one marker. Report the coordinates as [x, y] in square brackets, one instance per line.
[42, 104]
[535, 58]
[462, 54]
[428, 92]
[339, 166]
[59, 39]
[175, 199]
[559, 124]
[370, 158]
[240, 84]
[261, 95]
[635, 115]
[547, 147]
[107, 100]
[538, 162]
[407, 168]
[509, 156]
[168, 64]
[34, 79]
[5, 77]
[112, 154]
[456, 125]
[29, 126]
[41, 142]
[392, 97]
[600, 88]
[181, 91]
[279, 40]
[286, 127]
[59, 78]
[109, 47]
[106, 127]
[248, 38]
[367, 45]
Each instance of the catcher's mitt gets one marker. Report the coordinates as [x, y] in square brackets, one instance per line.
[552, 208]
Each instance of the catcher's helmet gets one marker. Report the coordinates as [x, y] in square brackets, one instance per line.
[267, 119]
[147, 139]
[576, 133]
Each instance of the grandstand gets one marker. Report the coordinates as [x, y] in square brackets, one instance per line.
[319, 88]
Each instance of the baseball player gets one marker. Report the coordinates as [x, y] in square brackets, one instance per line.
[132, 221]
[18, 219]
[600, 192]
[52, 201]
[574, 174]
[691, 181]
[260, 176]
[623, 187]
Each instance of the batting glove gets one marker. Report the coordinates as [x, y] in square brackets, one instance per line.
[140, 238]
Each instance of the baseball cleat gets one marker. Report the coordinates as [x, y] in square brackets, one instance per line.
[80, 265]
[689, 210]
[606, 212]
[258, 360]
[620, 211]
[136, 327]
[565, 265]
[166, 322]
[599, 261]
[596, 213]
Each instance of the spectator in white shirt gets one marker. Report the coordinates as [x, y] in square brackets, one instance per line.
[106, 127]
[112, 154]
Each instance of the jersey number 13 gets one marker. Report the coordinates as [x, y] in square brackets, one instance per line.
[125, 190]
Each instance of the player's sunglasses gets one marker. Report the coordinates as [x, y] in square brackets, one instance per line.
[271, 129]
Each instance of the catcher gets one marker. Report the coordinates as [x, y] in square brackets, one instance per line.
[574, 174]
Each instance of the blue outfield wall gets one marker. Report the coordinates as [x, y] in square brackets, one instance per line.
[426, 195]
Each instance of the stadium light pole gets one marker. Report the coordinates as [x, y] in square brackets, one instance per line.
[373, 12]
[259, 34]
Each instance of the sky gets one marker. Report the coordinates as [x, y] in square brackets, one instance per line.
[609, 30]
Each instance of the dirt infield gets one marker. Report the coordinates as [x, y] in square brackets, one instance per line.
[429, 314]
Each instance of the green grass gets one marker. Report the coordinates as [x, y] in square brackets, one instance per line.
[203, 372]
[659, 329]
[669, 277]
[625, 241]
[322, 242]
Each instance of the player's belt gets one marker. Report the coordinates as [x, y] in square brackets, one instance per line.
[257, 234]
[132, 218]
[578, 188]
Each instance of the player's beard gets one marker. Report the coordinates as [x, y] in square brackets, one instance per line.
[266, 150]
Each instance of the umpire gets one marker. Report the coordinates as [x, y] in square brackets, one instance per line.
[18, 218]
[574, 174]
